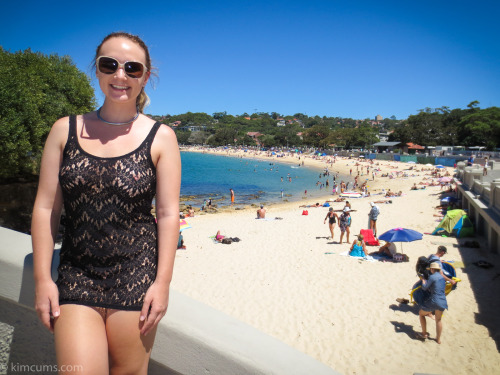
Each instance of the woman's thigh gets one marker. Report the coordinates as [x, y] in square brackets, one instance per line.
[80, 340]
[129, 351]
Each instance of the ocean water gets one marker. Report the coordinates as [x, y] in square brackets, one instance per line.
[207, 176]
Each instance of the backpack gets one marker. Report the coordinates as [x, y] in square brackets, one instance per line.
[227, 241]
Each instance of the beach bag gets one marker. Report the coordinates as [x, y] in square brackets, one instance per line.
[227, 241]
[305, 212]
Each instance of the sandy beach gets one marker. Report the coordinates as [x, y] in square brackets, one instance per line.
[288, 280]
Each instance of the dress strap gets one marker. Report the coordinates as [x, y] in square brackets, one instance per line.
[72, 125]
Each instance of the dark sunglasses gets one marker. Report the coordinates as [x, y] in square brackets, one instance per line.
[109, 65]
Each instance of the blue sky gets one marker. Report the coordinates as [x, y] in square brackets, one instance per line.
[329, 58]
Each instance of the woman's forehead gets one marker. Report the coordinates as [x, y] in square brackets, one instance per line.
[122, 47]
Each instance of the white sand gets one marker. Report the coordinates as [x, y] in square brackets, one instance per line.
[340, 310]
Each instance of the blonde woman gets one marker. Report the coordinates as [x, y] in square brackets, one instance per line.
[116, 263]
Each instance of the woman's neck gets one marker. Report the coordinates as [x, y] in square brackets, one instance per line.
[118, 113]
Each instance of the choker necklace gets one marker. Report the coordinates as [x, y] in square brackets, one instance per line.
[116, 123]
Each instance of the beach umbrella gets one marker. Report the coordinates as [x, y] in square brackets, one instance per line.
[361, 156]
[183, 225]
[449, 199]
[401, 235]
[411, 162]
[445, 179]
[429, 165]
[439, 166]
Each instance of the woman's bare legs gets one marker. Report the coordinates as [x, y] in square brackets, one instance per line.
[421, 315]
[332, 227]
[129, 351]
[80, 341]
[101, 341]
[439, 325]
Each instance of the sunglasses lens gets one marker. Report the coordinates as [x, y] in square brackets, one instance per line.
[134, 69]
[107, 65]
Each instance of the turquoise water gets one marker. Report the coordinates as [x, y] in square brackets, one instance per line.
[211, 176]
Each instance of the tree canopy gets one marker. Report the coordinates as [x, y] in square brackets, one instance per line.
[35, 90]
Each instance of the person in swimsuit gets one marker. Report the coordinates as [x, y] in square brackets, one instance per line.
[332, 219]
[116, 262]
[358, 248]
[344, 223]
[231, 191]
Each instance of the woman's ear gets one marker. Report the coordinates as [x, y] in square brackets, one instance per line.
[146, 79]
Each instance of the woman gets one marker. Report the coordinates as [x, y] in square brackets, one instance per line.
[344, 223]
[116, 263]
[358, 248]
[332, 219]
[435, 303]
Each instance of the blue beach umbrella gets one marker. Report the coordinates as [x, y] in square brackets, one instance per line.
[401, 235]
[439, 166]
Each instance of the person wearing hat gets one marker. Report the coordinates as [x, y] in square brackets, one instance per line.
[436, 302]
[373, 215]
[332, 219]
[261, 212]
[344, 223]
[441, 251]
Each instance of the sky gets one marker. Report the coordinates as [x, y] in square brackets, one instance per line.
[354, 59]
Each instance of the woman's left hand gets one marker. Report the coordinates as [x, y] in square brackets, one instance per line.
[154, 307]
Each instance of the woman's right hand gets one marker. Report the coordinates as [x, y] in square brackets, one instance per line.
[47, 303]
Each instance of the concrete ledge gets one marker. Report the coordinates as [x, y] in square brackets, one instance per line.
[192, 338]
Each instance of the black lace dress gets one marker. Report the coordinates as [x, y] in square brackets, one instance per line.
[109, 253]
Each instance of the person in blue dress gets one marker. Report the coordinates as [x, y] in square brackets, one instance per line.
[358, 248]
[436, 302]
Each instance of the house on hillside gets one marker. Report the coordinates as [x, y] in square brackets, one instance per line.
[411, 148]
[385, 146]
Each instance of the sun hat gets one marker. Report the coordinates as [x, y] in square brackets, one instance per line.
[435, 266]
[372, 204]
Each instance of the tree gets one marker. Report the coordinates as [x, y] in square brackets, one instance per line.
[483, 128]
[35, 90]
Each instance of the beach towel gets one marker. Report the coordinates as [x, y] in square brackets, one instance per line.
[369, 238]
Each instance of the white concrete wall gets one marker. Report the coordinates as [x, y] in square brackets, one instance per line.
[192, 338]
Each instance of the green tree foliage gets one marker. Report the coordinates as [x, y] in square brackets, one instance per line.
[35, 90]
[482, 127]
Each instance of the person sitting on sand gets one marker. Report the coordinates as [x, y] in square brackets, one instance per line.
[219, 237]
[435, 303]
[358, 248]
[441, 251]
[389, 249]
[261, 212]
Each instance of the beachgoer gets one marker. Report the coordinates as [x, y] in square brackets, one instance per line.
[441, 251]
[389, 248]
[332, 219]
[219, 237]
[116, 263]
[358, 248]
[373, 215]
[344, 223]
[436, 303]
[232, 196]
[261, 212]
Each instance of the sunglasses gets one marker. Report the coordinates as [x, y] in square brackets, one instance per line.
[109, 65]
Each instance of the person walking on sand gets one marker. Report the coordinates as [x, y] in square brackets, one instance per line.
[373, 216]
[116, 263]
[344, 223]
[435, 303]
[332, 219]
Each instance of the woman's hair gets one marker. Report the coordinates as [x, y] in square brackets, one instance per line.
[360, 237]
[142, 100]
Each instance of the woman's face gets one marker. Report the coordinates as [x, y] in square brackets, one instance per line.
[118, 86]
